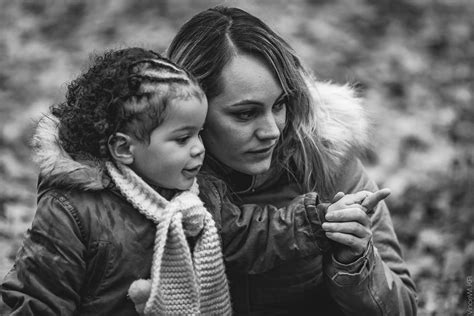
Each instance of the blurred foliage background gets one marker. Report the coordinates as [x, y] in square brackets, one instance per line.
[412, 60]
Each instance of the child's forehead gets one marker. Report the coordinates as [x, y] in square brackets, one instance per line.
[182, 99]
[187, 111]
[181, 115]
[177, 95]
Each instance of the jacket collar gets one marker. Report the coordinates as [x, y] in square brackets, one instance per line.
[238, 182]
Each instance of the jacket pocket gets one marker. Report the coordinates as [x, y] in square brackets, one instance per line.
[98, 261]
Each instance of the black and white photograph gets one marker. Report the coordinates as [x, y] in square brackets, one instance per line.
[236, 157]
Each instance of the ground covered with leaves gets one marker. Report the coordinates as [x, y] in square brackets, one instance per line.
[411, 60]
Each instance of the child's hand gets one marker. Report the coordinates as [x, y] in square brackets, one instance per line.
[348, 222]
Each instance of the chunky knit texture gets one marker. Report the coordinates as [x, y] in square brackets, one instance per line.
[182, 282]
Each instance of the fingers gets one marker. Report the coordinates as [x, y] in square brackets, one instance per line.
[373, 199]
[360, 196]
[367, 199]
[355, 214]
[357, 245]
[351, 228]
[337, 197]
[342, 200]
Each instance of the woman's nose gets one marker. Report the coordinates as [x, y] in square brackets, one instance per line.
[268, 128]
[198, 147]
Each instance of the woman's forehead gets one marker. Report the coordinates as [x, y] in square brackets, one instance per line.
[246, 76]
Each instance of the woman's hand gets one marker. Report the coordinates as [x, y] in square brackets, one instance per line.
[348, 222]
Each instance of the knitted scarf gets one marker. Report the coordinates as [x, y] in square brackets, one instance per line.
[182, 283]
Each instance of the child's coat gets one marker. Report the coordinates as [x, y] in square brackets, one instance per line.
[87, 244]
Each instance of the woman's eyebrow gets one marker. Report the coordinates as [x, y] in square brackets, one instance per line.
[278, 100]
[245, 102]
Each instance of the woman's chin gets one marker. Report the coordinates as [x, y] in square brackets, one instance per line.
[255, 169]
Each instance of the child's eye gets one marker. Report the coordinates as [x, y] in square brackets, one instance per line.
[182, 140]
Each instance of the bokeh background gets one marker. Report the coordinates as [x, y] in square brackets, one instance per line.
[412, 60]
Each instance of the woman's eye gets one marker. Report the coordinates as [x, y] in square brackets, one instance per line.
[277, 107]
[245, 115]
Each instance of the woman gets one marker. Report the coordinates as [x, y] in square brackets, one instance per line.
[272, 134]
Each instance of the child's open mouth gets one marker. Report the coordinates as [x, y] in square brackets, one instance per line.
[192, 172]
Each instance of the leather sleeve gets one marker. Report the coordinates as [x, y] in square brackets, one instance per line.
[256, 238]
[49, 268]
[379, 282]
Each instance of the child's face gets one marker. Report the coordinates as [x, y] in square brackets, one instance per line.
[175, 153]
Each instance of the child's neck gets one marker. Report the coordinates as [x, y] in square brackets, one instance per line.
[164, 192]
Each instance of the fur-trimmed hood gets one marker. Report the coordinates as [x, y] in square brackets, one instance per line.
[340, 117]
[341, 120]
[57, 167]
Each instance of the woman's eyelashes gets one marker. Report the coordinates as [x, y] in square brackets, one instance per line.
[245, 115]
[279, 106]
[251, 113]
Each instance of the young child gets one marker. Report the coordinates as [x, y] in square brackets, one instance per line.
[118, 198]
[117, 203]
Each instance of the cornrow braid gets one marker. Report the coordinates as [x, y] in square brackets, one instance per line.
[164, 65]
[124, 90]
[160, 80]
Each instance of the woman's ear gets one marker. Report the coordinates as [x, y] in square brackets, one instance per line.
[120, 147]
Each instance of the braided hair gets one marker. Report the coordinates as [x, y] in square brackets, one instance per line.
[125, 90]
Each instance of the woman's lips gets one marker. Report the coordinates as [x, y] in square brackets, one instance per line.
[263, 153]
[265, 150]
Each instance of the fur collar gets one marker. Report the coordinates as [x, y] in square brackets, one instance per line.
[56, 166]
[341, 121]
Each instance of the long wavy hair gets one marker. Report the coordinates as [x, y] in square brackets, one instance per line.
[210, 39]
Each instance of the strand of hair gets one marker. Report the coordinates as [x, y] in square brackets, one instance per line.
[163, 80]
[161, 63]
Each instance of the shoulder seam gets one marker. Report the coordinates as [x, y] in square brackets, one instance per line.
[62, 199]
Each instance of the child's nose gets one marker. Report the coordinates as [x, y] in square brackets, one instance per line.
[198, 148]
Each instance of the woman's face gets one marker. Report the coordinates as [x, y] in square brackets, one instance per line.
[245, 121]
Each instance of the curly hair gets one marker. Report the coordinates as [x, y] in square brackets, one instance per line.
[124, 90]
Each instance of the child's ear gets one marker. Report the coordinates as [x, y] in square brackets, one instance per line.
[120, 147]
